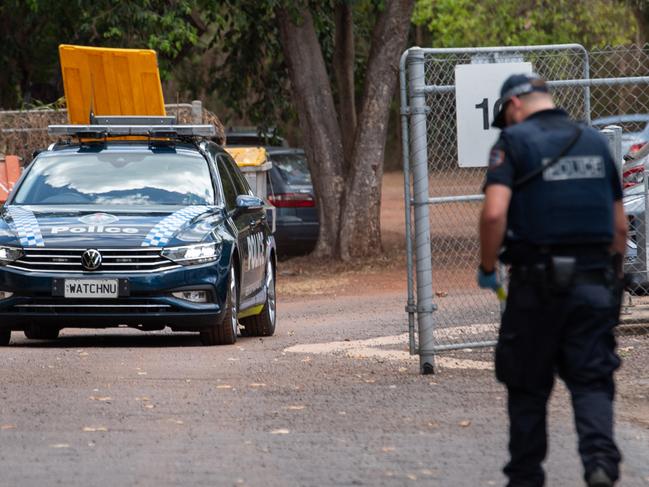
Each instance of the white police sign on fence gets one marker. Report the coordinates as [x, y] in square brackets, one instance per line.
[477, 100]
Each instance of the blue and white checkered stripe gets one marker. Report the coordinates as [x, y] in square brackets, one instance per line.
[164, 230]
[24, 224]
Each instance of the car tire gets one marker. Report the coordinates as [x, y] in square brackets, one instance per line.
[225, 332]
[5, 337]
[37, 332]
[263, 325]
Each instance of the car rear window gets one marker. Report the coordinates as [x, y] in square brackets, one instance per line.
[118, 178]
[292, 167]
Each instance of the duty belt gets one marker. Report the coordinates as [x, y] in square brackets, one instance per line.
[540, 274]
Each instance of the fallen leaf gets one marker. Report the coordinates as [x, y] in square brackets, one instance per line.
[295, 408]
[465, 423]
[83, 354]
[143, 398]
[60, 445]
[93, 429]
[176, 421]
[411, 476]
[441, 294]
[224, 386]
[149, 406]
[257, 384]
[7, 427]
[281, 431]
[403, 369]
[100, 398]
[387, 449]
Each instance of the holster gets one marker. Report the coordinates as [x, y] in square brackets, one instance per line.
[562, 273]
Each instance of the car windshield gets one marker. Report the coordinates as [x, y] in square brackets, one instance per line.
[292, 167]
[118, 178]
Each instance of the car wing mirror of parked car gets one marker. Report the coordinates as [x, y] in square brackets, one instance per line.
[246, 203]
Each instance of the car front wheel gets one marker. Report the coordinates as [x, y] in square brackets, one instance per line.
[225, 332]
[37, 332]
[263, 325]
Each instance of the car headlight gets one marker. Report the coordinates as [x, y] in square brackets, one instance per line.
[9, 254]
[193, 254]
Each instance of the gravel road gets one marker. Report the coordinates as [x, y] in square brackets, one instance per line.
[121, 407]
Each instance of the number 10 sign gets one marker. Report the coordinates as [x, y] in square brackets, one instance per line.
[477, 100]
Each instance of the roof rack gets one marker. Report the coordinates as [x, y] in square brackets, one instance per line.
[133, 120]
[154, 131]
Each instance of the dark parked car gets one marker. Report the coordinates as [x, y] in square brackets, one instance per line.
[290, 190]
[635, 134]
[251, 136]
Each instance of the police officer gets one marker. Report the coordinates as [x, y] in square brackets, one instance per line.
[553, 199]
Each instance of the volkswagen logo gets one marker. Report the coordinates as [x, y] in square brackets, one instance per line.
[91, 259]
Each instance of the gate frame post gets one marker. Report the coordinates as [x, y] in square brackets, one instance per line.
[419, 157]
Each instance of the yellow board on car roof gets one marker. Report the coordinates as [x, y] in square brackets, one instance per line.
[110, 82]
[248, 156]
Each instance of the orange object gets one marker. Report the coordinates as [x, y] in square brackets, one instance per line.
[110, 82]
[9, 174]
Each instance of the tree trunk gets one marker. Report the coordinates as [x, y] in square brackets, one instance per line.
[642, 20]
[343, 65]
[318, 121]
[360, 231]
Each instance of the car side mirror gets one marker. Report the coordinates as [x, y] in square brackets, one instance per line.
[246, 203]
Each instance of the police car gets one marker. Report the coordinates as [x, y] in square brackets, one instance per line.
[137, 224]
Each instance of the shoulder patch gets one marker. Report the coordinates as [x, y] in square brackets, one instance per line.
[496, 157]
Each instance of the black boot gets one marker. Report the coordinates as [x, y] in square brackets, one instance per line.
[599, 478]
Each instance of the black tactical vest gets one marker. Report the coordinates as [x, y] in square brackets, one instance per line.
[571, 202]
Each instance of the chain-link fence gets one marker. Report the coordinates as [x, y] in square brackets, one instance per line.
[603, 87]
[24, 131]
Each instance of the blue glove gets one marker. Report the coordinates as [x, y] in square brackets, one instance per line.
[488, 280]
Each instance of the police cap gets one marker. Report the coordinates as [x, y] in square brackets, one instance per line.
[517, 85]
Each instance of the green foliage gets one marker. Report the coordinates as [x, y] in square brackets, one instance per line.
[31, 31]
[462, 23]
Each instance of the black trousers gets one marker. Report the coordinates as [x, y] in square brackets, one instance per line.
[571, 334]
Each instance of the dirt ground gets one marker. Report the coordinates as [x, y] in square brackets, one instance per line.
[307, 276]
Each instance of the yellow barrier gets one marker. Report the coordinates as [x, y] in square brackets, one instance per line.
[110, 82]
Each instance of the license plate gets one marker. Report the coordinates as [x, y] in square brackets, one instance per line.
[91, 288]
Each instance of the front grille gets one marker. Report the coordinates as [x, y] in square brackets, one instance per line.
[114, 261]
[50, 306]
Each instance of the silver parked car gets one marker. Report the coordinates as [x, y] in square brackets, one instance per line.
[635, 134]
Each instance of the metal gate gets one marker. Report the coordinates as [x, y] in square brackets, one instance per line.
[443, 200]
